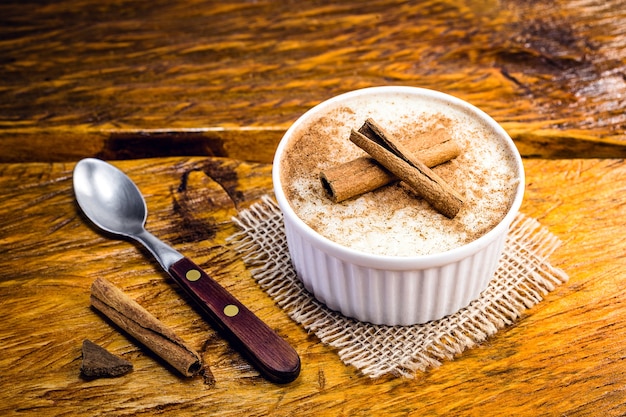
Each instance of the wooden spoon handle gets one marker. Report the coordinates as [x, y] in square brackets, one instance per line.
[271, 354]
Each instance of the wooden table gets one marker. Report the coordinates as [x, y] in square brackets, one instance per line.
[190, 99]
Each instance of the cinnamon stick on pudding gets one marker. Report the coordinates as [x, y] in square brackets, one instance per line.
[394, 156]
[143, 326]
[364, 174]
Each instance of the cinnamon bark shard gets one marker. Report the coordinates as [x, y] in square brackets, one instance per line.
[397, 159]
[144, 327]
[364, 174]
[100, 363]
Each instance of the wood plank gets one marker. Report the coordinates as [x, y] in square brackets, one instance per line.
[563, 357]
[77, 76]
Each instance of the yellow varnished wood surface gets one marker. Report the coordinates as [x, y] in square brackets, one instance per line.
[190, 99]
[125, 79]
[565, 356]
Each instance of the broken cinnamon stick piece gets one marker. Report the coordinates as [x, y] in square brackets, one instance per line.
[364, 174]
[144, 327]
[100, 363]
[393, 156]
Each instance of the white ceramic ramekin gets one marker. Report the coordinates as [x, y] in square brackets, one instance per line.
[388, 289]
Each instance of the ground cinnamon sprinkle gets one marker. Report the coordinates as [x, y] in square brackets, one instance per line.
[391, 220]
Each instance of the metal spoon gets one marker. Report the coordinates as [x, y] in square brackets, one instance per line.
[114, 203]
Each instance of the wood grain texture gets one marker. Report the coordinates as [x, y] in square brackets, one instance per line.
[565, 356]
[125, 79]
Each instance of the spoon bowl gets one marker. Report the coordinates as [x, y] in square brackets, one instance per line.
[109, 198]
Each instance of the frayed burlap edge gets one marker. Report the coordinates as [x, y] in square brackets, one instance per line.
[523, 278]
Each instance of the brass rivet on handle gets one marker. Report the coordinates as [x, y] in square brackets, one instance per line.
[193, 275]
[231, 310]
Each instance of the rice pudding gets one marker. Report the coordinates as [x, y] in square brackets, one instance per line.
[393, 220]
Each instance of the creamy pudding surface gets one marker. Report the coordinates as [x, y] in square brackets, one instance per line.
[393, 220]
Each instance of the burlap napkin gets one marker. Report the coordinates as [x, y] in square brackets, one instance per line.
[523, 278]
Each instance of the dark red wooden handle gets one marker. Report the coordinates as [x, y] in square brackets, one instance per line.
[271, 354]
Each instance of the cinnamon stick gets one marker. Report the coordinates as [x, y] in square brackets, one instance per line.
[100, 363]
[395, 157]
[364, 174]
[144, 327]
